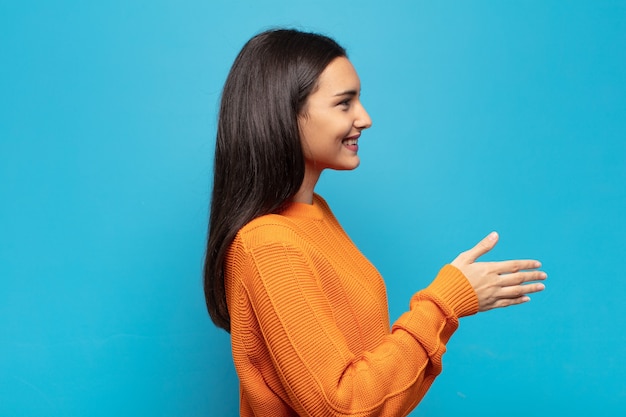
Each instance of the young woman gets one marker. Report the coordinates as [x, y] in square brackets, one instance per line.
[307, 312]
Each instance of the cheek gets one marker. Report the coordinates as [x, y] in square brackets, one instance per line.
[334, 129]
[346, 126]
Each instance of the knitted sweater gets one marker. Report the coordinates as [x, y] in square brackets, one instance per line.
[310, 324]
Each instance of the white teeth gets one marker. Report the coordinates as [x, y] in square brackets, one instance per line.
[350, 141]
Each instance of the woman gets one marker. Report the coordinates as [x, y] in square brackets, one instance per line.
[307, 312]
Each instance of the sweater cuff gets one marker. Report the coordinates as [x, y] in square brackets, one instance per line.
[453, 288]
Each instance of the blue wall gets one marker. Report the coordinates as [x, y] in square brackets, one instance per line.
[487, 115]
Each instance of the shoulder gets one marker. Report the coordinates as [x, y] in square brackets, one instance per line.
[262, 249]
[296, 225]
[268, 230]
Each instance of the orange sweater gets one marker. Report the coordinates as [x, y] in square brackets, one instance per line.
[310, 326]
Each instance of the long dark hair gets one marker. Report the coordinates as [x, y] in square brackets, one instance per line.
[259, 165]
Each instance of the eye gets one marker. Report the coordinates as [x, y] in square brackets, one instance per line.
[345, 103]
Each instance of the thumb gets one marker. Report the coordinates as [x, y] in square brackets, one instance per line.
[482, 247]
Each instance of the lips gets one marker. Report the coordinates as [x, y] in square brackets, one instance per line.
[352, 140]
[351, 143]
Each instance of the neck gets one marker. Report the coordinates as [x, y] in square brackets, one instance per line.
[305, 193]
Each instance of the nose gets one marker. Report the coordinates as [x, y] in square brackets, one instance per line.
[363, 120]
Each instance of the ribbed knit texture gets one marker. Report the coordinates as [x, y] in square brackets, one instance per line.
[310, 326]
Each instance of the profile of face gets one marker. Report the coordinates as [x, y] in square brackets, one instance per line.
[332, 120]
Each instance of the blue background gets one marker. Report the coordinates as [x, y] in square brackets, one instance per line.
[487, 115]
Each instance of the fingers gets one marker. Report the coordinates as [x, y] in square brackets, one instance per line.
[514, 289]
[512, 266]
[519, 291]
[509, 296]
[519, 278]
[509, 289]
[507, 302]
[499, 284]
[482, 247]
[515, 286]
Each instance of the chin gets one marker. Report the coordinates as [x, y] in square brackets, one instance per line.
[348, 167]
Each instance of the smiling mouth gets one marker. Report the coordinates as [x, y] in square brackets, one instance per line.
[352, 140]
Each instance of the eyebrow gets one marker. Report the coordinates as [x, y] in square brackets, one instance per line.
[347, 93]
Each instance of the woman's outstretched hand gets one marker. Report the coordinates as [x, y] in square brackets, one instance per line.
[499, 284]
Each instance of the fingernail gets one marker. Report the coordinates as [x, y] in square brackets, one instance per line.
[493, 235]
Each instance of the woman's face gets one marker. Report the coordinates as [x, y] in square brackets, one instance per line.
[332, 120]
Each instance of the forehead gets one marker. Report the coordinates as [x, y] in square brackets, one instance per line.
[338, 76]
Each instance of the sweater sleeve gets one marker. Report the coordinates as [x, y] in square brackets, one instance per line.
[317, 373]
